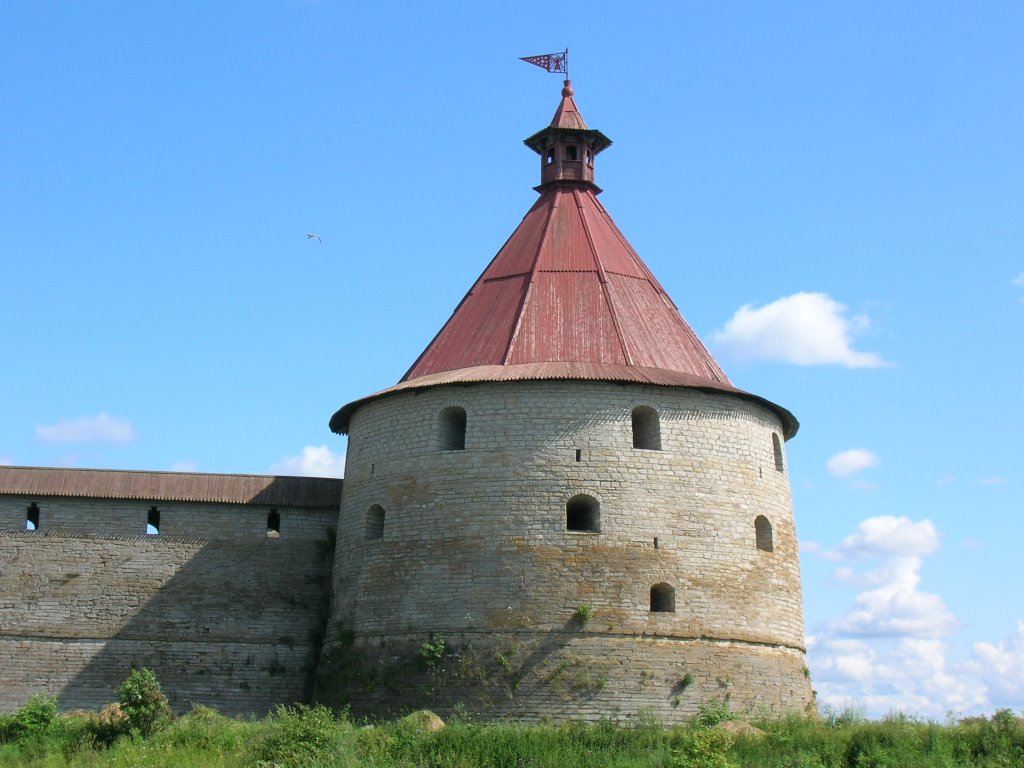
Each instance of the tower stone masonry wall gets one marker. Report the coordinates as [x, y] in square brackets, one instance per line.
[475, 550]
[225, 615]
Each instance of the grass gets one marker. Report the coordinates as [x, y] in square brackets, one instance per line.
[318, 738]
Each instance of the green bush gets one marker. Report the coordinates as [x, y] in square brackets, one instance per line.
[301, 736]
[34, 718]
[206, 730]
[583, 614]
[712, 712]
[143, 703]
[702, 748]
[432, 651]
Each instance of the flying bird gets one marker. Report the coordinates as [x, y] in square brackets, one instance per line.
[310, 236]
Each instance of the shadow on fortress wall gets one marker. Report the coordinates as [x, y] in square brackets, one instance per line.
[232, 620]
[236, 628]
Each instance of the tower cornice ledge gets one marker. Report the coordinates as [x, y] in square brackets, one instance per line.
[565, 371]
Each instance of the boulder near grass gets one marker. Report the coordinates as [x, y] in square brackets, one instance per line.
[422, 720]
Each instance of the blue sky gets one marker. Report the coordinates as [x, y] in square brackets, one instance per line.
[831, 193]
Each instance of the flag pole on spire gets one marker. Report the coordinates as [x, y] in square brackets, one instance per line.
[552, 62]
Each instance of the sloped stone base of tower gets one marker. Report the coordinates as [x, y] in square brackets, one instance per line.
[534, 676]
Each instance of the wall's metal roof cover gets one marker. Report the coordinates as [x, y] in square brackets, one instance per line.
[263, 490]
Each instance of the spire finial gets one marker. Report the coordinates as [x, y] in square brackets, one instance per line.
[567, 90]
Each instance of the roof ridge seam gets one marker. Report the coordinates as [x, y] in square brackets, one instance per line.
[528, 289]
[676, 315]
[498, 278]
[479, 282]
[644, 269]
[603, 279]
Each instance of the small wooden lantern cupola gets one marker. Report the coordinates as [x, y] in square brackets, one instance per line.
[567, 147]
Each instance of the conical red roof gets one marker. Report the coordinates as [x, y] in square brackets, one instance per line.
[566, 297]
[568, 288]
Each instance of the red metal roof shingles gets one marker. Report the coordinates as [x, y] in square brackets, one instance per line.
[264, 490]
[567, 287]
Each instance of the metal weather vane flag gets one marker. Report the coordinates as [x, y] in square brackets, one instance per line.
[552, 62]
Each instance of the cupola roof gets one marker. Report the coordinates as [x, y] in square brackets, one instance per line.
[566, 297]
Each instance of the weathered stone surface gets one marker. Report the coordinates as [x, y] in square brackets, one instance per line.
[475, 550]
[225, 615]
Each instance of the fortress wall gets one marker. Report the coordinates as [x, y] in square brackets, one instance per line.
[475, 540]
[225, 615]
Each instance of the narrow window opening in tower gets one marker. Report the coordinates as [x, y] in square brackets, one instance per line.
[663, 598]
[273, 524]
[655, 542]
[453, 429]
[763, 534]
[375, 522]
[571, 153]
[32, 517]
[646, 428]
[590, 158]
[550, 157]
[373, 467]
[153, 521]
[583, 513]
[777, 452]
[579, 455]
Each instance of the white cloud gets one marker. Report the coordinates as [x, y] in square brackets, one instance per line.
[888, 536]
[186, 465]
[942, 482]
[911, 675]
[315, 461]
[992, 480]
[887, 651]
[6, 461]
[804, 329]
[87, 429]
[1001, 667]
[895, 607]
[1019, 280]
[847, 463]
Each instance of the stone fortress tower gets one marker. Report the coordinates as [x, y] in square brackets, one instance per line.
[565, 508]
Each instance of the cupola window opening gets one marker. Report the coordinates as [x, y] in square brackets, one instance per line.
[571, 153]
[453, 429]
[153, 522]
[273, 524]
[32, 517]
[590, 158]
[777, 452]
[663, 598]
[763, 534]
[375, 522]
[583, 513]
[550, 157]
[646, 428]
